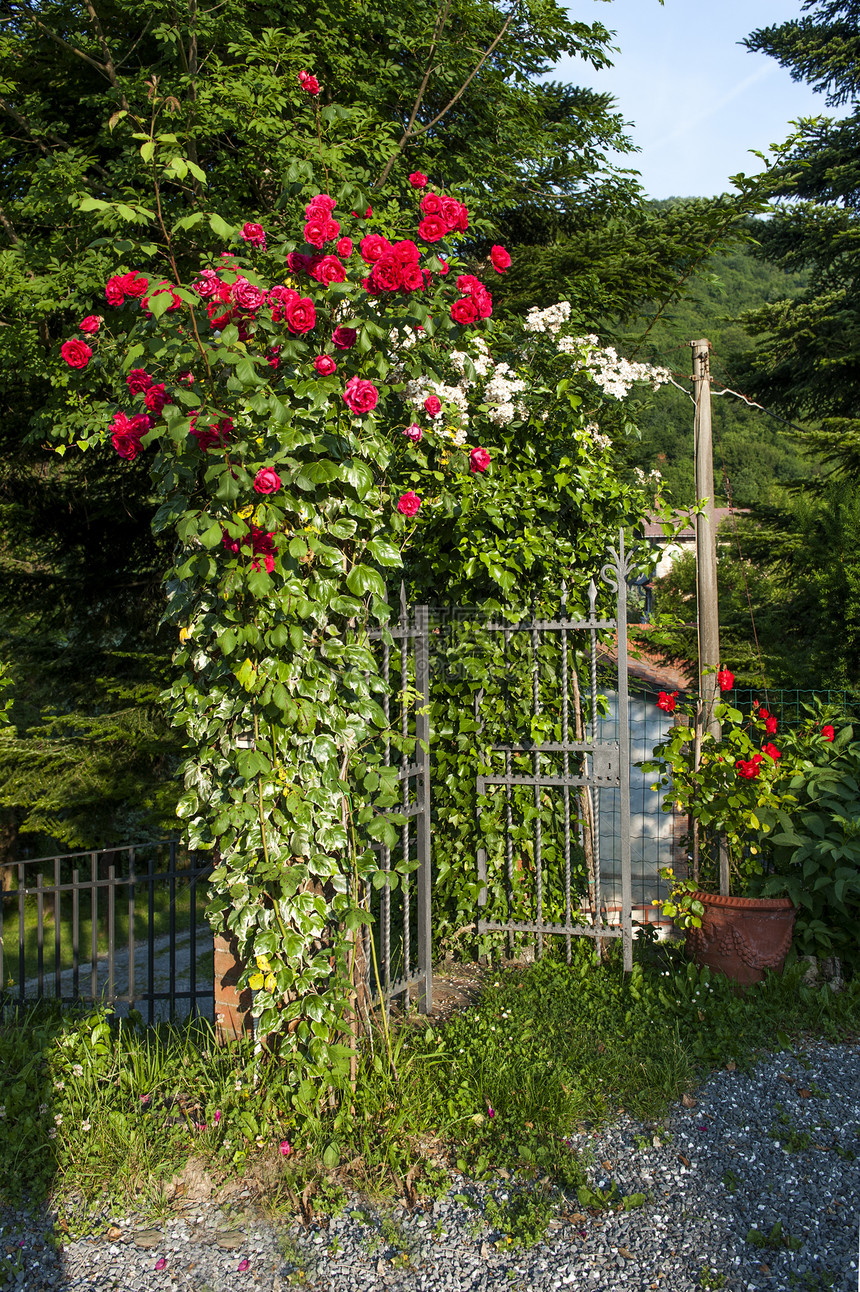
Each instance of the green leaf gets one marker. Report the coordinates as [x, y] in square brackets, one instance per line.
[362, 579]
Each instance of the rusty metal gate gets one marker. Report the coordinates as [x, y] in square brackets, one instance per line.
[544, 842]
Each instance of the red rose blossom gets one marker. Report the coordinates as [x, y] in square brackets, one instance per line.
[325, 200]
[431, 229]
[248, 296]
[771, 751]
[413, 278]
[135, 285]
[500, 259]
[444, 267]
[827, 732]
[344, 247]
[207, 284]
[417, 180]
[90, 324]
[309, 83]
[156, 397]
[114, 291]
[343, 338]
[431, 204]
[267, 480]
[328, 270]
[76, 352]
[725, 679]
[413, 432]
[464, 311]
[138, 381]
[667, 702]
[748, 770]
[360, 396]
[406, 252]
[387, 274]
[432, 405]
[315, 229]
[255, 234]
[408, 503]
[301, 315]
[325, 365]
[373, 248]
[479, 460]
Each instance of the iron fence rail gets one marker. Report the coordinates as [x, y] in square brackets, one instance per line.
[120, 924]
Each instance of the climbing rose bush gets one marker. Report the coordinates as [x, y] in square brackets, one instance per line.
[269, 395]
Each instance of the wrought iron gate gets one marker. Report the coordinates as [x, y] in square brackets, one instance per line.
[401, 955]
[578, 768]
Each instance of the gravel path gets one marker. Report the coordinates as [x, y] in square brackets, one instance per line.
[776, 1151]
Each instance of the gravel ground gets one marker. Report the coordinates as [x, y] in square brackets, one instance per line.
[776, 1150]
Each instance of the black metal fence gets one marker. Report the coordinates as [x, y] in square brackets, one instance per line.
[121, 925]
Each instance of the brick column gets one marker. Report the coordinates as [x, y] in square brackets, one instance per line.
[232, 1007]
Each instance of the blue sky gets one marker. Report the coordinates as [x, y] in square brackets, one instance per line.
[697, 100]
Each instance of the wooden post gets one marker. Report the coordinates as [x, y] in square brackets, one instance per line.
[706, 559]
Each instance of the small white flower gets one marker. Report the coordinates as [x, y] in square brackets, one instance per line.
[85, 1126]
[77, 1069]
[59, 1085]
[43, 1108]
[52, 1133]
[58, 1119]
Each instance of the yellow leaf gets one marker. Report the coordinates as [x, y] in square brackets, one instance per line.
[255, 982]
[271, 982]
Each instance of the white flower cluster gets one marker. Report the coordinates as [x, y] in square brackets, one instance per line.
[600, 440]
[615, 375]
[499, 392]
[550, 320]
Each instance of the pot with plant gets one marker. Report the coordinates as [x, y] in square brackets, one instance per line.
[738, 790]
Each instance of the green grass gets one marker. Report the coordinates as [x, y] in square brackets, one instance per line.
[501, 1088]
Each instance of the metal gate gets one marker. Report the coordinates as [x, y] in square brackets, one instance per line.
[550, 786]
[398, 950]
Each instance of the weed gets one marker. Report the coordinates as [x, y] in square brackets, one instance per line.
[731, 1179]
[709, 1278]
[775, 1239]
[788, 1135]
[524, 1217]
[811, 1281]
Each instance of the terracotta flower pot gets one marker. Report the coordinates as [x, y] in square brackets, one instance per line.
[741, 937]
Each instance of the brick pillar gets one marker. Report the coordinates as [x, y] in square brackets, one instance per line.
[232, 1007]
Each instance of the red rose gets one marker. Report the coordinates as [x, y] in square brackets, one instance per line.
[343, 338]
[298, 262]
[413, 432]
[464, 311]
[127, 446]
[443, 266]
[301, 315]
[247, 295]
[725, 679]
[771, 724]
[114, 290]
[209, 436]
[186, 378]
[417, 180]
[76, 352]
[771, 751]
[413, 278]
[267, 480]
[344, 247]
[325, 365]
[483, 301]
[155, 398]
[309, 83]
[667, 702]
[138, 381]
[273, 357]
[135, 285]
[324, 200]
[408, 503]
[360, 396]
[432, 405]
[387, 274]
[231, 544]
[90, 324]
[255, 234]
[500, 259]
[827, 732]
[328, 270]
[373, 248]
[431, 229]
[139, 424]
[406, 252]
[479, 460]
[207, 284]
[748, 771]
[262, 543]
[315, 229]
[431, 204]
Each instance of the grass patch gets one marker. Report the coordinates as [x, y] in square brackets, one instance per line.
[104, 1112]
